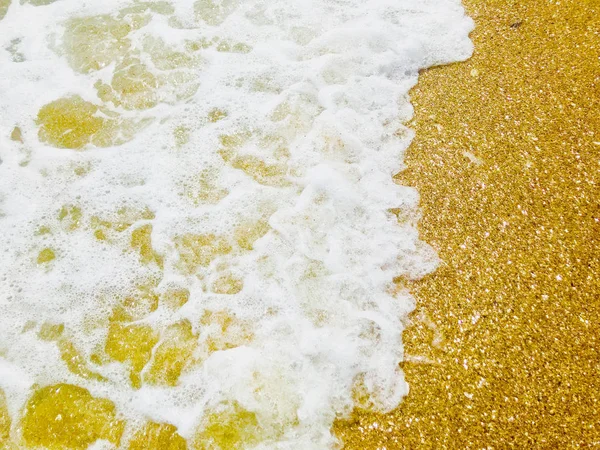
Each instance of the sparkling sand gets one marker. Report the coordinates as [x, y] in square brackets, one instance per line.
[506, 160]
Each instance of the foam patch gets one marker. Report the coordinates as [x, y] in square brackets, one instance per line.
[199, 225]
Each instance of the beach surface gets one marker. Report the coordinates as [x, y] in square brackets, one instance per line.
[503, 351]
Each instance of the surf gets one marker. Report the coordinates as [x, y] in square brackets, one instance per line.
[199, 225]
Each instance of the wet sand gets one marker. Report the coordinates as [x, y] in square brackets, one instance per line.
[504, 351]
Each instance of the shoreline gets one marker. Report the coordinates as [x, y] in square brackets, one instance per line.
[505, 160]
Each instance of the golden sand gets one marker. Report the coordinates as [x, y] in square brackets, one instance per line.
[507, 162]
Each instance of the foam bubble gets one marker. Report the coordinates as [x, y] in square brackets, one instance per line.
[199, 225]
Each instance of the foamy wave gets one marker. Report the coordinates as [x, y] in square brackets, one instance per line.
[198, 215]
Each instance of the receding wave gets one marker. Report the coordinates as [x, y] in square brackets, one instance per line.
[199, 226]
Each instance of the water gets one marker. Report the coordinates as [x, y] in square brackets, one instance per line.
[198, 222]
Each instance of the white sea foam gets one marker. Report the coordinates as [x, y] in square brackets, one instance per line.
[284, 113]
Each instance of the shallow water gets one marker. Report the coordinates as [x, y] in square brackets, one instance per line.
[200, 227]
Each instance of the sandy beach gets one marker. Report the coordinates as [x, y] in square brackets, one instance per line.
[503, 352]
[198, 245]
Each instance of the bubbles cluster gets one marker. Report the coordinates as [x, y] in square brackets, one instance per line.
[198, 216]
